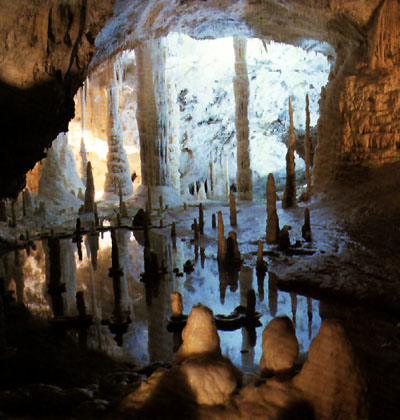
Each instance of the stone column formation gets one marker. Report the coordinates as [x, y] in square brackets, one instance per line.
[289, 195]
[152, 112]
[118, 173]
[307, 146]
[272, 232]
[89, 193]
[241, 90]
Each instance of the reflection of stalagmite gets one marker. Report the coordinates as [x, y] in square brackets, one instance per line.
[289, 195]
[89, 192]
[201, 219]
[241, 90]
[232, 208]
[221, 238]
[334, 368]
[272, 233]
[310, 316]
[280, 347]
[55, 287]
[68, 274]
[118, 174]
[293, 299]
[272, 293]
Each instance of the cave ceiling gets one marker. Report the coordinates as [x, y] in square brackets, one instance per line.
[46, 48]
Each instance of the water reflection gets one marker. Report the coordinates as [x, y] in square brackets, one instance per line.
[130, 311]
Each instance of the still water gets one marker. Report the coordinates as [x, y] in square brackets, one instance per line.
[144, 311]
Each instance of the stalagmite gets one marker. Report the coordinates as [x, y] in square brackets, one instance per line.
[195, 229]
[307, 146]
[118, 174]
[261, 265]
[289, 195]
[232, 208]
[221, 238]
[160, 200]
[152, 121]
[84, 161]
[211, 377]
[201, 219]
[176, 304]
[272, 231]
[213, 221]
[232, 248]
[333, 366]
[280, 347]
[89, 193]
[284, 238]
[244, 180]
[306, 228]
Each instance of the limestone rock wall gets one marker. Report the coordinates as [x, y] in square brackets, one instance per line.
[45, 49]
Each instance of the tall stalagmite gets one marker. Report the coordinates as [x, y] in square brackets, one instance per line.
[289, 196]
[221, 238]
[307, 146]
[152, 120]
[241, 90]
[89, 193]
[232, 208]
[118, 173]
[272, 233]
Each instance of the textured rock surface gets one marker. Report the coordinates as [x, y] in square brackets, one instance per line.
[241, 90]
[280, 346]
[45, 49]
[333, 367]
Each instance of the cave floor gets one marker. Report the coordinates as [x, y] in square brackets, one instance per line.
[348, 271]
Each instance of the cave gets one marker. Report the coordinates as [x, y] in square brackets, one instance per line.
[199, 209]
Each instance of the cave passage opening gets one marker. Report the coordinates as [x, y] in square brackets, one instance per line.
[200, 113]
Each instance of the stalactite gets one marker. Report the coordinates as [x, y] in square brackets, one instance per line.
[221, 238]
[89, 193]
[232, 208]
[244, 180]
[118, 173]
[289, 195]
[307, 146]
[272, 230]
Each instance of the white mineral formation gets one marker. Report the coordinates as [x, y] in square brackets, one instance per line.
[152, 121]
[118, 173]
[332, 379]
[52, 182]
[307, 146]
[211, 377]
[244, 174]
[280, 347]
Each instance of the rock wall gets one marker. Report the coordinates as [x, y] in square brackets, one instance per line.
[45, 49]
